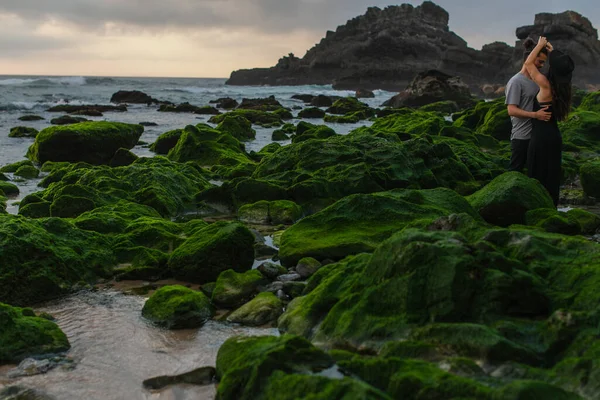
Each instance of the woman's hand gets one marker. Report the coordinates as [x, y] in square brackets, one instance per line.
[542, 42]
[549, 47]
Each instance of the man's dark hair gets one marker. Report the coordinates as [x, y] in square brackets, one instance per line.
[528, 46]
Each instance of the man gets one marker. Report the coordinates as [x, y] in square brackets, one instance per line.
[521, 91]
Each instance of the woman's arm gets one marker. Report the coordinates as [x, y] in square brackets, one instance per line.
[532, 69]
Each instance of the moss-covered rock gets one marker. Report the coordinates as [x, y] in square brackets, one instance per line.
[24, 335]
[30, 117]
[178, 307]
[23, 131]
[91, 142]
[553, 221]
[263, 309]
[238, 127]
[234, 289]
[28, 172]
[122, 158]
[211, 250]
[445, 107]
[358, 223]
[208, 146]
[351, 118]
[590, 178]
[43, 258]
[255, 116]
[279, 135]
[165, 142]
[307, 267]
[311, 112]
[525, 390]
[348, 105]
[9, 189]
[15, 166]
[589, 222]
[579, 130]
[70, 206]
[506, 199]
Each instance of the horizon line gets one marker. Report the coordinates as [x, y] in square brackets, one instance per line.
[109, 76]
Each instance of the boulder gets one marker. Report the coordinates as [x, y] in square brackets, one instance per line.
[590, 178]
[67, 120]
[23, 131]
[263, 309]
[226, 103]
[312, 112]
[364, 94]
[91, 142]
[31, 117]
[430, 87]
[133, 97]
[70, 108]
[234, 289]
[178, 307]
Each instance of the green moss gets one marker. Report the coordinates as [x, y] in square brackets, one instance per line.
[70, 206]
[23, 131]
[311, 112]
[238, 127]
[9, 189]
[274, 212]
[122, 157]
[254, 116]
[263, 309]
[23, 335]
[591, 102]
[552, 221]
[27, 172]
[410, 122]
[233, 288]
[166, 141]
[177, 307]
[30, 118]
[246, 365]
[590, 178]
[92, 142]
[579, 130]
[409, 349]
[43, 258]
[35, 210]
[15, 166]
[348, 105]
[589, 222]
[342, 119]
[211, 250]
[506, 199]
[279, 135]
[445, 107]
[358, 223]
[532, 390]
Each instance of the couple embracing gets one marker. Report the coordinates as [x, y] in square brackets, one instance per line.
[536, 102]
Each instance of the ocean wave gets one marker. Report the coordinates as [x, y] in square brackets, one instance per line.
[21, 106]
[45, 81]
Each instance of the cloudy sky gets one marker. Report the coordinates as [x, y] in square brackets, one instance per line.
[210, 38]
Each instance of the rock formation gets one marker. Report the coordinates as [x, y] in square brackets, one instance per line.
[386, 48]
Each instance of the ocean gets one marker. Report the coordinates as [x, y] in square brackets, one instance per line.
[20, 95]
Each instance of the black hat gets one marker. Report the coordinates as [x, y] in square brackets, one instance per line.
[562, 66]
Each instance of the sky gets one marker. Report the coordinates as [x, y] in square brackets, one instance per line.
[211, 38]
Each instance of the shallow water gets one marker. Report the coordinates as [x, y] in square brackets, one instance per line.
[114, 350]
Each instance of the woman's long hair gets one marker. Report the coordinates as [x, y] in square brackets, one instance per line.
[561, 97]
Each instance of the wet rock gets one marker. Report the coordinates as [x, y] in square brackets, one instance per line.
[200, 376]
[306, 98]
[66, 120]
[271, 270]
[148, 123]
[226, 103]
[289, 277]
[27, 172]
[23, 131]
[178, 307]
[23, 393]
[266, 104]
[69, 109]
[234, 289]
[590, 178]
[364, 94]
[279, 135]
[294, 289]
[272, 287]
[29, 117]
[88, 112]
[261, 250]
[188, 108]
[307, 267]
[133, 97]
[312, 112]
[122, 157]
[282, 296]
[263, 309]
[321, 101]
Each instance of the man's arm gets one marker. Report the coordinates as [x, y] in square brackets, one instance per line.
[515, 111]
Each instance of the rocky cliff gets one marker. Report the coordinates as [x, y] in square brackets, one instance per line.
[386, 48]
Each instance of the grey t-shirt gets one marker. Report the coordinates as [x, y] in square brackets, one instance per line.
[521, 91]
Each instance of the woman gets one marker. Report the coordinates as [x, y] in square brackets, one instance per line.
[544, 154]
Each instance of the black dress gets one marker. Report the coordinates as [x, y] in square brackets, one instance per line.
[545, 153]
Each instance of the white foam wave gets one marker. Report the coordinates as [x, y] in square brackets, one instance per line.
[47, 81]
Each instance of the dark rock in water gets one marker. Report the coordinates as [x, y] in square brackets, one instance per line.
[279, 135]
[268, 104]
[226, 103]
[70, 109]
[188, 108]
[261, 250]
[133, 97]
[307, 267]
[31, 118]
[307, 98]
[364, 94]
[178, 307]
[88, 112]
[263, 309]
[271, 270]
[432, 87]
[294, 289]
[148, 124]
[289, 277]
[312, 112]
[321, 101]
[386, 48]
[200, 376]
[67, 120]
[23, 131]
